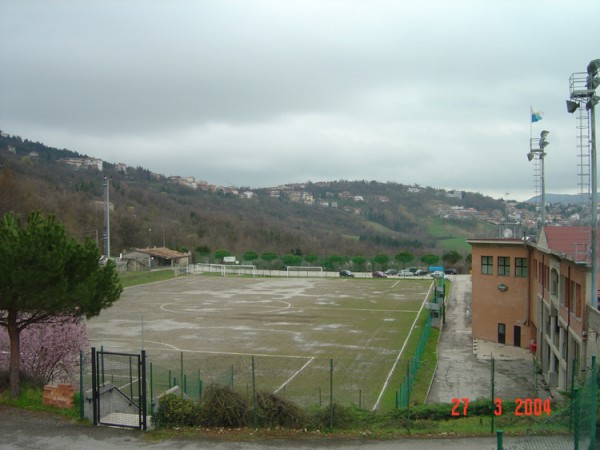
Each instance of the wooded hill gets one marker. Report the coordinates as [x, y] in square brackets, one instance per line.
[346, 218]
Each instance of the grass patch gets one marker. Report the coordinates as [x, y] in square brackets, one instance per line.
[128, 279]
[459, 245]
[31, 399]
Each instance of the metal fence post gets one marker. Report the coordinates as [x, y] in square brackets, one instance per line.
[143, 391]
[331, 393]
[94, 388]
[254, 416]
[500, 440]
[130, 378]
[81, 386]
[407, 382]
[573, 372]
[151, 391]
[181, 388]
[576, 417]
[493, 394]
[594, 403]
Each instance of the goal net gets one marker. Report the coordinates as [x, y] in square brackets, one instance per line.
[304, 271]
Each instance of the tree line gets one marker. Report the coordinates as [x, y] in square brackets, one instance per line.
[359, 263]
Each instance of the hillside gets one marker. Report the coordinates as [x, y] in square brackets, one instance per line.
[345, 218]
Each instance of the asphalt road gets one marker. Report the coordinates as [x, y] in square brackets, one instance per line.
[40, 431]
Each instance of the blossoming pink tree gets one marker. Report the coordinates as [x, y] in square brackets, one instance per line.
[49, 351]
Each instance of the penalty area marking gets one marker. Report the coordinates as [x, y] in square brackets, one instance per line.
[389, 377]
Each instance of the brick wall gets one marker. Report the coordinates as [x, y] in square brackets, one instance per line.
[60, 396]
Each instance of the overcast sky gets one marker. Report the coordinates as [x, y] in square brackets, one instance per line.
[260, 93]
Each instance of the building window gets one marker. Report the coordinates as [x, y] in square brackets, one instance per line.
[487, 265]
[554, 282]
[565, 288]
[503, 265]
[521, 267]
[501, 333]
[577, 300]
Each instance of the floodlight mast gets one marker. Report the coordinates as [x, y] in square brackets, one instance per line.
[536, 148]
[583, 87]
[106, 217]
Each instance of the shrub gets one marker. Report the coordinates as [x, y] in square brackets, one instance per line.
[343, 417]
[175, 411]
[276, 411]
[223, 407]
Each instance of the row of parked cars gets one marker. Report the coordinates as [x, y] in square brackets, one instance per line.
[401, 273]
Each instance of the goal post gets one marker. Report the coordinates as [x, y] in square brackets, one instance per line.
[239, 269]
[226, 269]
[304, 271]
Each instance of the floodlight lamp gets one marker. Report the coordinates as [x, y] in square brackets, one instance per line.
[592, 102]
[572, 106]
[529, 156]
[593, 67]
[543, 142]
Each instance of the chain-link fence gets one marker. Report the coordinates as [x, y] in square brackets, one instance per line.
[412, 366]
[571, 426]
[306, 381]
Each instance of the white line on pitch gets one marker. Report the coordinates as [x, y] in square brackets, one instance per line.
[210, 352]
[293, 376]
[387, 380]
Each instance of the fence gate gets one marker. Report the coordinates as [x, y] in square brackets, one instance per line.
[119, 389]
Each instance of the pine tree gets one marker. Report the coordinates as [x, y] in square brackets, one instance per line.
[45, 276]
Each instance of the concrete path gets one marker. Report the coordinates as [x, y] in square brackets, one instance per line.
[464, 366]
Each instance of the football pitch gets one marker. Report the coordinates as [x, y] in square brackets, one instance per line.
[302, 338]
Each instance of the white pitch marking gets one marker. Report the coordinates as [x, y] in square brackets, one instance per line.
[387, 380]
[294, 375]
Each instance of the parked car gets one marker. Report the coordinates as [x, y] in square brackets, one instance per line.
[420, 272]
[346, 273]
[379, 274]
[437, 274]
[406, 273]
[391, 272]
[451, 272]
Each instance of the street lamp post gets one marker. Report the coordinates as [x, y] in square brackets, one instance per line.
[583, 89]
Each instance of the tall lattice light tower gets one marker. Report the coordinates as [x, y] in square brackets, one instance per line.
[537, 151]
[582, 87]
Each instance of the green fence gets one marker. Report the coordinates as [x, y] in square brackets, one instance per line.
[412, 367]
[306, 381]
[572, 425]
